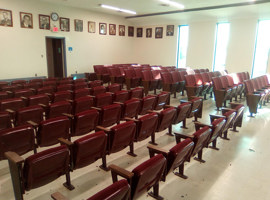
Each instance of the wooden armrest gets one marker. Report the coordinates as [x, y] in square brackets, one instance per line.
[70, 101]
[233, 105]
[48, 94]
[32, 123]
[213, 117]
[43, 105]
[91, 96]
[96, 108]
[157, 150]
[183, 136]
[10, 111]
[9, 92]
[184, 101]
[14, 157]
[68, 115]
[24, 98]
[58, 196]
[121, 172]
[120, 103]
[101, 128]
[168, 106]
[199, 124]
[64, 141]
[130, 119]
[152, 111]
[224, 110]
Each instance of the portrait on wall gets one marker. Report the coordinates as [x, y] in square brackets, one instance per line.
[149, 32]
[78, 24]
[159, 32]
[122, 30]
[139, 32]
[6, 18]
[64, 24]
[170, 30]
[131, 31]
[44, 22]
[112, 29]
[26, 20]
[102, 28]
[91, 27]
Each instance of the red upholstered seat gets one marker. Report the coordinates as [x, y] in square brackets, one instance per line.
[162, 99]
[5, 120]
[23, 93]
[136, 93]
[20, 140]
[104, 99]
[121, 96]
[132, 80]
[82, 104]
[12, 104]
[31, 113]
[147, 103]
[95, 83]
[98, 90]
[119, 190]
[130, 108]
[62, 96]
[50, 130]
[168, 83]
[113, 88]
[196, 108]
[182, 112]
[38, 99]
[3, 95]
[116, 75]
[109, 115]
[80, 85]
[81, 93]
[65, 87]
[57, 109]
[148, 81]
[166, 118]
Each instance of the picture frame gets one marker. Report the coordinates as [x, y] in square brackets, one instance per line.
[26, 20]
[170, 30]
[139, 32]
[112, 29]
[64, 24]
[149, 32]
[78, 25]
[122, 30]
[91, 27]
[6, 18]
[44, 22]
[102, 28]
[130, 31]
[159, 32]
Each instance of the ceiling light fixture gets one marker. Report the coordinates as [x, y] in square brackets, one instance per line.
[172, 3]
[118, 9]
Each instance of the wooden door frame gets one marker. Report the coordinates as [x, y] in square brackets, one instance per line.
[64, 53]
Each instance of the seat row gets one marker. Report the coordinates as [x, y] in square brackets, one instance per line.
[148, 174]
[257, 92]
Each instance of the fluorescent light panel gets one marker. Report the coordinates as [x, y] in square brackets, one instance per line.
[118, 9]
[172, 3]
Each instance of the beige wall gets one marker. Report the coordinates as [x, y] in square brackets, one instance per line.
[24, 50]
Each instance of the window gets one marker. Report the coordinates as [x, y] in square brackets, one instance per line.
[182, 45]
[262, 47]
[222, 38]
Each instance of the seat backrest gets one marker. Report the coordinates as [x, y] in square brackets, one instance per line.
[136, 93]
[3, 95]
[57, 109]
[13, 104]
[119, 190]
[80, 85]
[166, 77]
[146, 126]
[148, 103]
[200, 139]
[95, 83]
[23, 93]
[50, 130]
[156, 74]
[190, 80]
[166, 118]
[45, 90]
[162, 100]
[249, 87]
[5, 120]
[84, 122]
[147, 75]
[20, 139]
[182, 112]
[88, 149]
[81, 93]
[217, 83]
[224, 82]
[217, 127]
[230, 115]
[65, 87]
[147, 175]
[110, 115]
[114, 87]
[65, 82]
[45, 166]
[182, 75]
[230, 80]
[175, 76]
[31, 113]
[82, 104]
[98, 68]
[196, 105]
[98, 90]
[62, 96]
[130, 73]
[103, 99]
[179, 154]
[38, 99]
[121, 96]
[121, 136]
[131, 108]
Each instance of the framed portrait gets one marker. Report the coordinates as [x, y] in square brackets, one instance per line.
[122, 31]
[78, 25]
[102, 28]
[159, 32]
[64, 24]
[26, 20]
[44, 22]
[91, 27]
[131, 31]
[170, 30]
[6, 18]
[139, 32]
[112, 29]
[149, 32]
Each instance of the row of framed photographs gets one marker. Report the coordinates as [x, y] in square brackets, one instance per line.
[26, 21]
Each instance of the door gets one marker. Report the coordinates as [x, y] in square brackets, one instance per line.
[55, 57]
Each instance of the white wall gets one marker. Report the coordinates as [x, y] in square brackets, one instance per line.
[24, 50]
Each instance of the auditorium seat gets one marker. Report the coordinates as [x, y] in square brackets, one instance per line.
[95, 83]
[147, 103]
[200, 139]
[65, 87]
[221, 94]
[148, 82]
[136, 93]
[168, 84]
[57, 109]
[103, 99]
[196, 107]
[11, 105]
[132, 80]
[20, 139]
[144, 177]
[238, 119]
[46, 90]
[31, 113]
[82, 104]
[109, 115]
[65, 82]
[62, 96]
[38, 100]
[130, 108]
[102, 73]
[3, 95]
[32, 85]
[182, 113]
[114, 88]
[34, 171]
[193, 87]
[176, 156]
[121, 96]
[176, 77]
[23, 93]
[81, 93]
[162, 99]
[5, 120]
[116, 76]
[80, 85]
[98, 90]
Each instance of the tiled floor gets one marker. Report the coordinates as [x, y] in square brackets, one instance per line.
[238, 171]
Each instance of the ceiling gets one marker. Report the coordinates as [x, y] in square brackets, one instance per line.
[155, 6]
